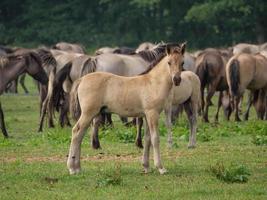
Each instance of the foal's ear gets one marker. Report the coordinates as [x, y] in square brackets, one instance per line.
[183, 45]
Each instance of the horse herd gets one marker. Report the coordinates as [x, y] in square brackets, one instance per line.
[138, 83]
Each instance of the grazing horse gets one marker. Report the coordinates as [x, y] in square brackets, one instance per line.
[210, 68]
[11, 67]
[246, 71]
[61, 58]
[186, 94]
[138, 96]
[74, 48]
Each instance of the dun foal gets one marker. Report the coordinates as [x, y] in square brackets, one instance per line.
[139, 96]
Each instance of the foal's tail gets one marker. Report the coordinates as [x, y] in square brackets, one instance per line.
[75, 108]
[234, 76]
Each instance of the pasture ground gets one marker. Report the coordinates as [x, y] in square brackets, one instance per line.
[33, 165]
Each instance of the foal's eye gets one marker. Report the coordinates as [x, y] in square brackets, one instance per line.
[169, 62]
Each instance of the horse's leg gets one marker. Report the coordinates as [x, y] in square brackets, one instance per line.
[146, 149]
[50, 112]
[219, 106]
[78, 131]
[124, 120]
[22, 83]
[109, 119]
[168, 124]
[152, 118]
[211, 91]
[97, 121]
[138, 140]
[2, 122]
[191, 112]
[250, 101]
[237, 99]
[43, 112]
[202, 98]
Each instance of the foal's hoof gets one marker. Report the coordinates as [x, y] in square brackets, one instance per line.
[162, 171]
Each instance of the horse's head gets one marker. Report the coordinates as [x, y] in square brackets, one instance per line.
[34, 68]
[175, 62]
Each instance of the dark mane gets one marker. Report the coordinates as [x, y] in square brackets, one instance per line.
[153, 64]
[161, 53]
[89, 66]
[46, 57]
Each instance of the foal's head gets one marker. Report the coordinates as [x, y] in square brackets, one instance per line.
[175, 62]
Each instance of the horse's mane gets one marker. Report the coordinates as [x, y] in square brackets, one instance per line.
[46, 57]
[89, 66]
[6, 49]
[160, 55]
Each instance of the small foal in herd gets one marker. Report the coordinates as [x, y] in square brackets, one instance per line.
[138, 96]
[11, 67]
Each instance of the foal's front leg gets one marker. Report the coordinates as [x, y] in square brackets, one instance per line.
[146, 149]
[95, 129]
[152, 118]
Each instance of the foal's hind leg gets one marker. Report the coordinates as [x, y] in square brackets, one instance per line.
[2, 122]
[191, 112]
[97, 121]
[78, 132]
[168, 123]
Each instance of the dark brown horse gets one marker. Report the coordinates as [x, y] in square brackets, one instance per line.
[210, 68]
[11, 67]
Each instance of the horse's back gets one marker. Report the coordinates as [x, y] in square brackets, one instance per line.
[189, 87]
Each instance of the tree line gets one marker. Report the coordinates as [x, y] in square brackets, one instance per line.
[95, 23]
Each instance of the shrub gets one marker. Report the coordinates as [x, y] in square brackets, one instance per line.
[231, 174]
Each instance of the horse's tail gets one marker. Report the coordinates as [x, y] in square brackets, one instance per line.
[234, 76]
[75, 108]
[60, 77]
[202, 72]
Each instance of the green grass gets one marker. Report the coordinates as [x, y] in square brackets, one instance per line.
[33, 165]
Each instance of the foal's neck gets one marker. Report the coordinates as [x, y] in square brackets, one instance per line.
[161, 73]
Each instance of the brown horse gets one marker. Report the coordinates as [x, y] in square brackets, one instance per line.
[246, 71]
[138, 96]
[11, 67]
[211, 72]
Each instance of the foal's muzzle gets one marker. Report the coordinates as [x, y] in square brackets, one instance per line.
[176, 80]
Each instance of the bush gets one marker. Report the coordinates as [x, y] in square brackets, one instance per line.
[231, 174]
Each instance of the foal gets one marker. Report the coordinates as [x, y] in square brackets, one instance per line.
[139, 96]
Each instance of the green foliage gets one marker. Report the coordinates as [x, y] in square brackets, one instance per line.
[127, 23]
[231, 174]
[259, 140]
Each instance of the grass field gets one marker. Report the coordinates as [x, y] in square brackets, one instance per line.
[33, 165]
